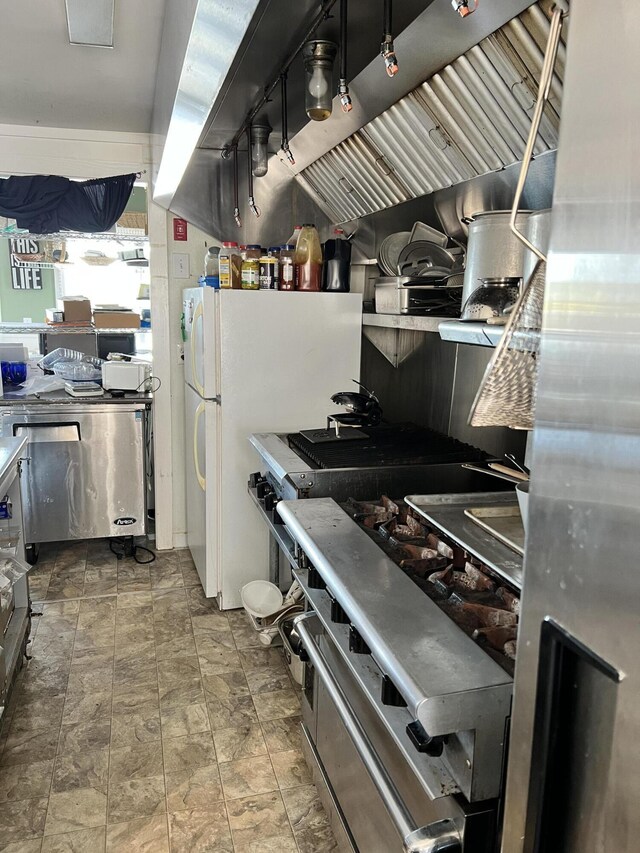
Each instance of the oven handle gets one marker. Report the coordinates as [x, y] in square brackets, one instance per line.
[439, 837]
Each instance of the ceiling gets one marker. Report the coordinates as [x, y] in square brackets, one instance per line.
[47, 81]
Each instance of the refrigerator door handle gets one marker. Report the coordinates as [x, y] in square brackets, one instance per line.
[196, 462]
[197, 315]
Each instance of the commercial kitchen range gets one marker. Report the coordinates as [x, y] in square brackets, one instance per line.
[410, 630]
[410, 641]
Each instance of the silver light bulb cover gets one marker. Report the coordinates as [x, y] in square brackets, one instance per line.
[319, 56]
[259, 148]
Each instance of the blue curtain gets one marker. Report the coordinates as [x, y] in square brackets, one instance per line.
[45, 204]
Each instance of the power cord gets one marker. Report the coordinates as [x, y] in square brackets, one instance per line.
[150, 379]
[130, 549]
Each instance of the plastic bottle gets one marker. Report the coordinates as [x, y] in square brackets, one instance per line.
[274, 251]
[308, 259]
[251, 268]
[287, 268]
[293, 240]
[337, 263]
[229, 266]
[212, 267]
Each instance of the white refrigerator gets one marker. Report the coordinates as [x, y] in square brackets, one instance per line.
[255, 361]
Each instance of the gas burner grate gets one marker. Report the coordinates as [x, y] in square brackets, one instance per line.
[386, 446]
[467, 591]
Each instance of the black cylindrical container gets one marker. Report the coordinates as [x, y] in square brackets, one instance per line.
[337, 265]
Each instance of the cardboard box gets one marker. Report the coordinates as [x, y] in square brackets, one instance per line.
[77, 309]
[116, 320]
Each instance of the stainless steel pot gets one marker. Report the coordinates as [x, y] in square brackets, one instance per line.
[493, 250]
[538, 232]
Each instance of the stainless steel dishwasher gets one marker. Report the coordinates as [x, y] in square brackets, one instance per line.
[86, 474]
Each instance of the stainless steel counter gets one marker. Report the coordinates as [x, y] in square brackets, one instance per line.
[14, 640]
[87, 472]
[10, 451]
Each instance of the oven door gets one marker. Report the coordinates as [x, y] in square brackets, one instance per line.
[381, 799]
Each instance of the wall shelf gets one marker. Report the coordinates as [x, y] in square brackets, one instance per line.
[410, 322]
[480, 334]
[115, 236]
[46, 329]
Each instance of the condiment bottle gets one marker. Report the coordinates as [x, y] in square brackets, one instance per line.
[293, 240]
[274, 251]
[229, 265]
[287, 268]
[337, 263]
[308, 259]
[268, 266]
[251, 268]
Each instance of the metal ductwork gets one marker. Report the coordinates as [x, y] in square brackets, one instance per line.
[469, 119]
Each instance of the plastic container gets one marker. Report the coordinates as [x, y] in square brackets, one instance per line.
[212, 267]
[229, 264]
[337, 264]
[261, 598]
[65, 354]
[77, 371]
[308, 260]
[287, 280]
[13, 372]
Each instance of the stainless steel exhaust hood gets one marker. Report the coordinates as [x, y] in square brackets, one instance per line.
[459, 109]
[469, 119]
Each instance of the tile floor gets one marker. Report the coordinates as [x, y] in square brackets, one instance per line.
[147, 720]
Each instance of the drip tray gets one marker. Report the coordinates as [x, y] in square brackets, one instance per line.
[503, 522]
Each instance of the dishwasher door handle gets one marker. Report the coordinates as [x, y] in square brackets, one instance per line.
[442, 836]
[50, 431]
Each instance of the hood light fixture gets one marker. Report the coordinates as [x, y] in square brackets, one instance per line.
[253, 207]
[259, 148]
[319, 55]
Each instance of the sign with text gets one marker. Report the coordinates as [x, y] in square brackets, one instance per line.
[179, 229]
[24, 278]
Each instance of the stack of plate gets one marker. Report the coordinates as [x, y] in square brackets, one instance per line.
[420, 252]
[390, 250]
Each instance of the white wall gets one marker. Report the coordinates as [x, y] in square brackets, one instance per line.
[195, 247]
[26, 150]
